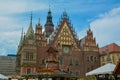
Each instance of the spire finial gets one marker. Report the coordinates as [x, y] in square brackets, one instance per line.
[31, 18]
[65, 14]
[39, 21]
[21, 39]
[89, 26]
[22, 34]
[22, 31]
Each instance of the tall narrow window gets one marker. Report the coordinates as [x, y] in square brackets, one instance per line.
[70, 61]
[60, 59]
[87, 58]
[77, 62]
[91, 58]
[29, 56]
[43, 61]
[95, 59]
[28, 70]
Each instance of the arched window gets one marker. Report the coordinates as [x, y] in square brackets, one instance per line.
[28, 70]
[91, 58]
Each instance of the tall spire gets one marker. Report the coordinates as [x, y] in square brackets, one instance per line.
[30, 29]
[89, 31]
[65, 14]
[22, 33]
[49, 18]
[39, 21]
[49, 26]
[39, 25]
[21, 39]
[31, 19]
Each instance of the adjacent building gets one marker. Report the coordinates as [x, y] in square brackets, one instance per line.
[8, 65]
[77, 55]
[109, 54]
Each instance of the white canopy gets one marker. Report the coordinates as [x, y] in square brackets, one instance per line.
[3, 77]
[106, 69]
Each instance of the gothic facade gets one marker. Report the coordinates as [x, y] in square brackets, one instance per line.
[79, 56]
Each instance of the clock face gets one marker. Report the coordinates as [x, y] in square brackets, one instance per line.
[66, 49]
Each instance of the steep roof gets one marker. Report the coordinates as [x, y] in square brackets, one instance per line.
[21, 39]
[30, 30]
[113, 47]
[65, 24]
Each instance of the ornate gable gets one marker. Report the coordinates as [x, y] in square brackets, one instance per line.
[65, 36]
[88, 43]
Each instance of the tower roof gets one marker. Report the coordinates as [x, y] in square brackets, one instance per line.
[21, 39]
[39, 25]
[49, 19]
[65, 15]
[49, 26]
[30, 29]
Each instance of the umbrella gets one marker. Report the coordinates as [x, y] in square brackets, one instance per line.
[3, 77]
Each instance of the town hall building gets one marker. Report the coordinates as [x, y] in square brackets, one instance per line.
[75, 55]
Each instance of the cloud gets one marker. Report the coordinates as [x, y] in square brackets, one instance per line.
[13, 16]
[107, 27]
[2, 51]
[10, 26]
[8, 42]
[10, 31]
[82, 33]
[19, 6]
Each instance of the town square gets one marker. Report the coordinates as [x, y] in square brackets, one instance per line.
[59, 40]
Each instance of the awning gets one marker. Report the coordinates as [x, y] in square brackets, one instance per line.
[106, 69]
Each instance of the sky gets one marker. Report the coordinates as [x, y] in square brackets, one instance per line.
[102, 16]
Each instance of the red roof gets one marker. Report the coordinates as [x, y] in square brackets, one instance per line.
[113, 47]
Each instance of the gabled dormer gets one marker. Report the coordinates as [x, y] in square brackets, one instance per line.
[88, 43]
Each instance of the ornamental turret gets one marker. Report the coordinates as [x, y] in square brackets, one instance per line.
[38, 31]
[49, 26]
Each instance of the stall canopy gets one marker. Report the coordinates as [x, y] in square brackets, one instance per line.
[106, 69]
[3, 77]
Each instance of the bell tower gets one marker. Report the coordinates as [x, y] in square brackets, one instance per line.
[49, 26]
[26, 54]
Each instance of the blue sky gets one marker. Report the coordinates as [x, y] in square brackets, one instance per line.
[103, 16]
